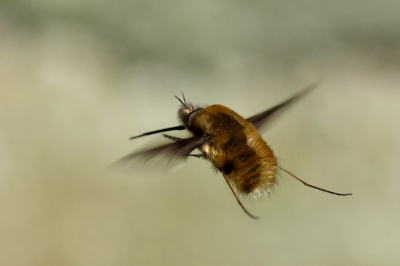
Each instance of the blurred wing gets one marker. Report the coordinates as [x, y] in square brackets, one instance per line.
[266, 116]
[176, 151]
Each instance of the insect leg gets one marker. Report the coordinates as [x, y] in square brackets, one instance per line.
[172, 137]
[241, 205]
[198, 155]
[179, 139]
[309, 185]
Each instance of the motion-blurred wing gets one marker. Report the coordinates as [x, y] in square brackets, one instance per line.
[175, 151]
[264, 117]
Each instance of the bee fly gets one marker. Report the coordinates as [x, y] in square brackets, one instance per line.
[231, 143]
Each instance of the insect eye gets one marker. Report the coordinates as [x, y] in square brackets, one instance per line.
[193, 112]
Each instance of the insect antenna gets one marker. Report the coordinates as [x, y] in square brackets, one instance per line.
[241, 205]
[184, 100]
[183, 96]
[309, 185]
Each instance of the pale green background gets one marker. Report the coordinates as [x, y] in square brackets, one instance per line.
[78, 78]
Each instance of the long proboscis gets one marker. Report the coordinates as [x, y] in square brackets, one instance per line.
[312, 186]
[158, 131]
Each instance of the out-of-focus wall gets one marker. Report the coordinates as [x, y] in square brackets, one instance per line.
[78, 78]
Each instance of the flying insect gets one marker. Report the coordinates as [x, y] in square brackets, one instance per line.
[231, 143]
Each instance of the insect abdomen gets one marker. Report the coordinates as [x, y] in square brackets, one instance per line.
[252, 170]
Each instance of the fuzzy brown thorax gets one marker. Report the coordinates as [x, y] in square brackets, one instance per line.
[234, 147]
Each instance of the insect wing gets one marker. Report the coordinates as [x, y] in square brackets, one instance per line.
[265, 117]
[173, 152]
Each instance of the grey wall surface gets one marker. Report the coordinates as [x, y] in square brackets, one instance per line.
[78, 78]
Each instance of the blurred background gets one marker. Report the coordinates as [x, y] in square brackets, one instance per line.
[78, 78]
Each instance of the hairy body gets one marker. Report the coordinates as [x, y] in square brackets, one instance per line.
[230, 142]
[235, 148]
